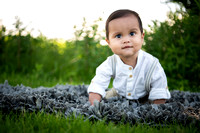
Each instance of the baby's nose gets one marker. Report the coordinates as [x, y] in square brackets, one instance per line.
[126, 40]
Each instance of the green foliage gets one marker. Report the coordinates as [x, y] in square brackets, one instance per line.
[177, 45]
[15, 49]
[88, 52]
[69, 61]
[192, 6]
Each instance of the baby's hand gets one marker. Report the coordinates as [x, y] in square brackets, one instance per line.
[159, 101]
[94, 96]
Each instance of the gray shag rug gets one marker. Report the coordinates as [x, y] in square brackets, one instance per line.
[183, 107]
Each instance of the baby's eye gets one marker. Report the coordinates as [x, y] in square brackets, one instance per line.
[118, 36]
[132, 33]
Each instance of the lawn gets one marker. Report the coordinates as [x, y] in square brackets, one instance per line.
[25, 122]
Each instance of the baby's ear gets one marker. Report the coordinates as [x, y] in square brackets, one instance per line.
[142, 37]
[108, 41]
[143, 34]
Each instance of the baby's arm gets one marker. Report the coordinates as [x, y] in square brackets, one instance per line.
[159, 91]
[94, 96]
[101, 81]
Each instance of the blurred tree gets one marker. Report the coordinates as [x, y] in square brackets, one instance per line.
[88, 50]
[176, 43]
[16, 49]
[192, 6]
[2, 41]
[19, 29]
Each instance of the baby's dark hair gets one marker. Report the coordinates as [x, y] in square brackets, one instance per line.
[119, 14]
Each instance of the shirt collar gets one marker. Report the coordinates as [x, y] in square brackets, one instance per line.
[121, 64]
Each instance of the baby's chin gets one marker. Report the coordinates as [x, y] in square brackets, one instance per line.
[129, 55]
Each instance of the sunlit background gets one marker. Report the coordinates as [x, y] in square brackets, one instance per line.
[63, 41]
[56, 18]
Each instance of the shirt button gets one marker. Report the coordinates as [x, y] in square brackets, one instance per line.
[129, 94]
[130, 68]
[130, 76]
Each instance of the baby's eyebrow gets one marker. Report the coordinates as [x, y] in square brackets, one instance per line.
[116, 33]
[134, 29]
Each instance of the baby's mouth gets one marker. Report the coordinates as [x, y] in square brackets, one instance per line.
[125, 47]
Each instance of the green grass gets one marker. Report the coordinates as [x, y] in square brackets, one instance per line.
[46, 123]
[33, 80]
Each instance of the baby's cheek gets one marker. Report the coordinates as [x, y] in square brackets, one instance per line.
[115, 48]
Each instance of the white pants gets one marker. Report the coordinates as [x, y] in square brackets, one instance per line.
[111, 93]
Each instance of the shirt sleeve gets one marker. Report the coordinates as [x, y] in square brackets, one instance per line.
[159, 88]
[101, 80]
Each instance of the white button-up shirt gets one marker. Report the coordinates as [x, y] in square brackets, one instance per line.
[130, 82]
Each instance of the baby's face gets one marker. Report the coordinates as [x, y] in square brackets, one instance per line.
[125, 37]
